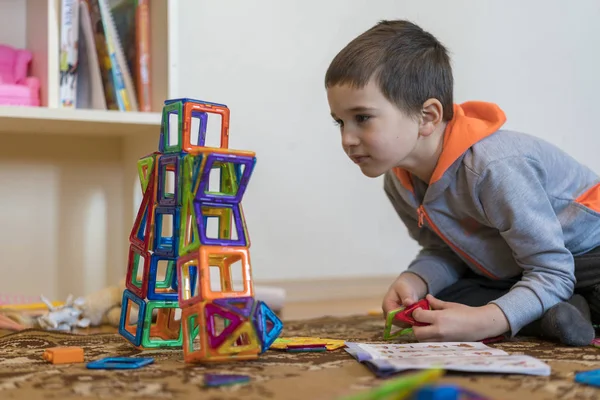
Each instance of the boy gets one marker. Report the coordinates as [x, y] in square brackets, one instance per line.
[509, 225]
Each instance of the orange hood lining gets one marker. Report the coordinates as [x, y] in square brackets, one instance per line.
[472, 122]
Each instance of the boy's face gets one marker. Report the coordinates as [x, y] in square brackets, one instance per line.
[376, 135]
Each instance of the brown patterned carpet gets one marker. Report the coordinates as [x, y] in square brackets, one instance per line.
[276, 375]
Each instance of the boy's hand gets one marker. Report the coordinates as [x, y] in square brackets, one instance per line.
[453, 322]
[406, 290]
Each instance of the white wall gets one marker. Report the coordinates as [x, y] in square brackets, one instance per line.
[265, 59]
[12, 23]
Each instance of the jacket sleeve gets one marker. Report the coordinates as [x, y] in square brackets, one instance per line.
[436, 263]
[514, 200]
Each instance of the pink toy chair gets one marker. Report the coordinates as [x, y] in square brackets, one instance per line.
[16, 88]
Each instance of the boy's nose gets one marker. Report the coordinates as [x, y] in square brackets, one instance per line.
[349, 140]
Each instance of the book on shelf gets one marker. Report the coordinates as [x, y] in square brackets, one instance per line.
[105, 55]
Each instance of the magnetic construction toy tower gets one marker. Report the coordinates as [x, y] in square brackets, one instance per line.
[186, 185]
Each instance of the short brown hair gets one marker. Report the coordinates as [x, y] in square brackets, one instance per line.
[409, 64]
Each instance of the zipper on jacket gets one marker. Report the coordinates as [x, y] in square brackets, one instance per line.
[423, 216]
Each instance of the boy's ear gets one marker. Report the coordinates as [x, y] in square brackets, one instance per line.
[431, 115]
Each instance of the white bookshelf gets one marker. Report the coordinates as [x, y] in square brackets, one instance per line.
[69, 175]
[44, 120]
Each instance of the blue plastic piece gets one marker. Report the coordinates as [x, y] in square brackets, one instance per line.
[193, 277]
[137, 339]
[166, 246]
[120, 363]
[591, 378]
[239, 172]
[260, 317]
[141, 232]
[170, 276]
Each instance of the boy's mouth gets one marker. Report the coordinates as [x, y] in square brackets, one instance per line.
[359, 159]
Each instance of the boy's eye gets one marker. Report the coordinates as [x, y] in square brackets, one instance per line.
[362, 118]
[338, 122]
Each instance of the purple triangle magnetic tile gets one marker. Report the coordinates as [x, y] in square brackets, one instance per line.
[210, 311]
[224, 379]
[232, 305]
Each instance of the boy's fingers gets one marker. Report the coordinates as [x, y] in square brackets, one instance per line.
[390, 303]
[427, 333]
[408, 301]
[436, 304]
[425, 316]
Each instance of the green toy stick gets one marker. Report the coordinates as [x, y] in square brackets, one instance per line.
[399, 388]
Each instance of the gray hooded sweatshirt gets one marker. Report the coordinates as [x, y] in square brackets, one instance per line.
[505, 205]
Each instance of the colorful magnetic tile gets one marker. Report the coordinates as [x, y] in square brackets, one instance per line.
[240, 305]
[186, 100]
[389, 323]
[236, 194]
[166, 246]
[243, 341]
[147, 340]
[307, 349]
[233, 321]
[215, 380]
[241, 344]
[172, 128]
[405, 315]
[138, 268]
[169, 164]
[306, 346]
[145, 166]
[142, 230]
[191, 166]
[335, 344]
[195, 347]
[186, 267]
[223, 178]
[191, 108]
[596, 342]
[162, 289]
[268, 325]
[224, 221]
[167, 324]
[225, 258]
[283, 342]
[125, 329]
[197, 134]
[200, 209]
[120, 363]
[161, 136]
[189, 238]
[193, 276]
[196, 167]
